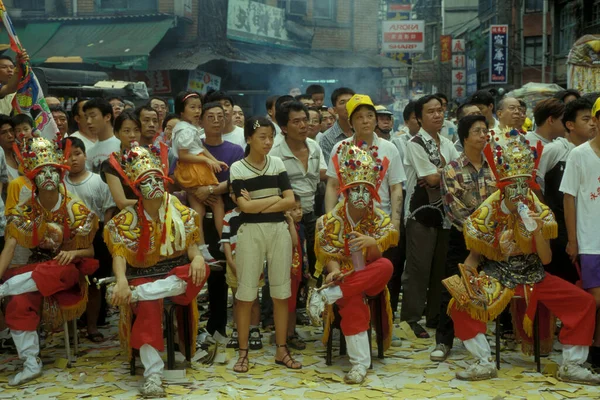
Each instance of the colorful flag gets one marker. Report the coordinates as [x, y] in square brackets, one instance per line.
[29, 98]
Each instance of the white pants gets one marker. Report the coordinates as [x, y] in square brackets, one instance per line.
[18, 284]
[358, 349]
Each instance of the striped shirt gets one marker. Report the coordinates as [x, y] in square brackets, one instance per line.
[271, 180]
[231, 224]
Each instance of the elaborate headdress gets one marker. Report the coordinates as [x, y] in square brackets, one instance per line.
[510, 156]
[135, 165]
[359, 165]
[36, 153]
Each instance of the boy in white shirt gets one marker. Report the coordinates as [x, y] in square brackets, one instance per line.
[94, 193]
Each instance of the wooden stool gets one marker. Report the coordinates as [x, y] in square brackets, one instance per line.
[376, 313]
[536, 340]
[170, 311]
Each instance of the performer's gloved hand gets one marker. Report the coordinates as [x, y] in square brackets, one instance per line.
[121, 294]
[197, 270]
[360, 241]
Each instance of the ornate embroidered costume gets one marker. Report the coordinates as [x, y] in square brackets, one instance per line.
[510, 265]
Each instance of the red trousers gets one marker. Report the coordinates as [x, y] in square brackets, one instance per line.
[147, 327]
[23, 311]
[573, 306]
[370, 281]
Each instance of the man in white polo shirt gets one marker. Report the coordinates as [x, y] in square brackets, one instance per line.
[304, 163]
[363, 119]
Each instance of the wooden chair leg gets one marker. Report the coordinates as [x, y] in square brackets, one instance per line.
[498, 343]
[75, 339]
[328, 354]
[536, 341]
[170, 339]
[342, 343]
[379, 332]
[369, 332]
[132, 364]
[67, 343]
[186, 332]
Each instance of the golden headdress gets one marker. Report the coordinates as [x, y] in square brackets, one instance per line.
[38, 152]
[135, 164]
[359, 165]
[510, 156]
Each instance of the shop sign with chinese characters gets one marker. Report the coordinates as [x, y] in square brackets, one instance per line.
[403, 37]
[459, 72]
[498, 54]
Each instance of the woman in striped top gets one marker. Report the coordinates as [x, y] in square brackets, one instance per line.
[263, 191]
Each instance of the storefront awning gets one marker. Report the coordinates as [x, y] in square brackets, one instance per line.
[192, 58]
[33, 36]
[119, 45]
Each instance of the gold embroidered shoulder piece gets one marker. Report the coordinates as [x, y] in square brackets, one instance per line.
[82, 224]
[122, 233]
[484, 229]
[332, 228]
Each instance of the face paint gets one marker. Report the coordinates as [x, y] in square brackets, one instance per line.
[47, 179]
[152, 187]
[517, 191]
[359, 197]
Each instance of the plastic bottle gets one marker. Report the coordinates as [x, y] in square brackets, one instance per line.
[358, 260]
[529, 222]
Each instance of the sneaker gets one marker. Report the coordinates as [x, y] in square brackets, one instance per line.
[233, 341]
[255, 339]
[29, 373]
[356, 375]
[153, 387]
[440, 353]
[396, 341]
[315, 307]
[577, 374]
[478, 371]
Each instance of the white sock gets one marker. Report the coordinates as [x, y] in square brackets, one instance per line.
[208, 258]
[161, 288]
[332, 294]
[18, 284]
[153, 363]
[479, 347]
[358, 349]
[573, 354]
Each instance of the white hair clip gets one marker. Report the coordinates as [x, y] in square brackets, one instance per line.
[256, 125]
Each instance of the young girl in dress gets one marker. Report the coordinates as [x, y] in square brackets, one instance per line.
[196, 167]
[262, 189]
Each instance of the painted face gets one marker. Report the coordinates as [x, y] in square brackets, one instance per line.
[517, 191]
[152, 187]
[359, 196]
[47, 179]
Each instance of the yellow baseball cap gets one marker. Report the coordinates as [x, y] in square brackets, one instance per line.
[359, 100]
[595, 109]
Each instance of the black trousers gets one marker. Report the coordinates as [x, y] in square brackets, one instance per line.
[309, 221]
[397, 255]
[217, 285]
[457, 253]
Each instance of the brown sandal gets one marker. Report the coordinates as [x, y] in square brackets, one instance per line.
[287, 360]
[242, 363]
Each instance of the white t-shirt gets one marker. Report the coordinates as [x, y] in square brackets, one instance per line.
[449, 130]
[417, 164]
[554, 152]
[582, 181]
[236, 136]
[93, 192]
[393, 176]
[187, 137]
[100, 152]
[87, 142]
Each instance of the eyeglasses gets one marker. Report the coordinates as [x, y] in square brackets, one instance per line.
[215, 117]
[479, 131]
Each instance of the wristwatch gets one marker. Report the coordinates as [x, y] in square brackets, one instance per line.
[211, 190]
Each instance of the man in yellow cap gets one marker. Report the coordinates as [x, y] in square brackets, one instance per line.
[362, 117]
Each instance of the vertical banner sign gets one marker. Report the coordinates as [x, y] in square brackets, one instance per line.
[446, 48]
[498, 54]
[459, 71]
[471, 74]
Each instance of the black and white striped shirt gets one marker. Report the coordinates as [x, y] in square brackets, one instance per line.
[271, 180]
